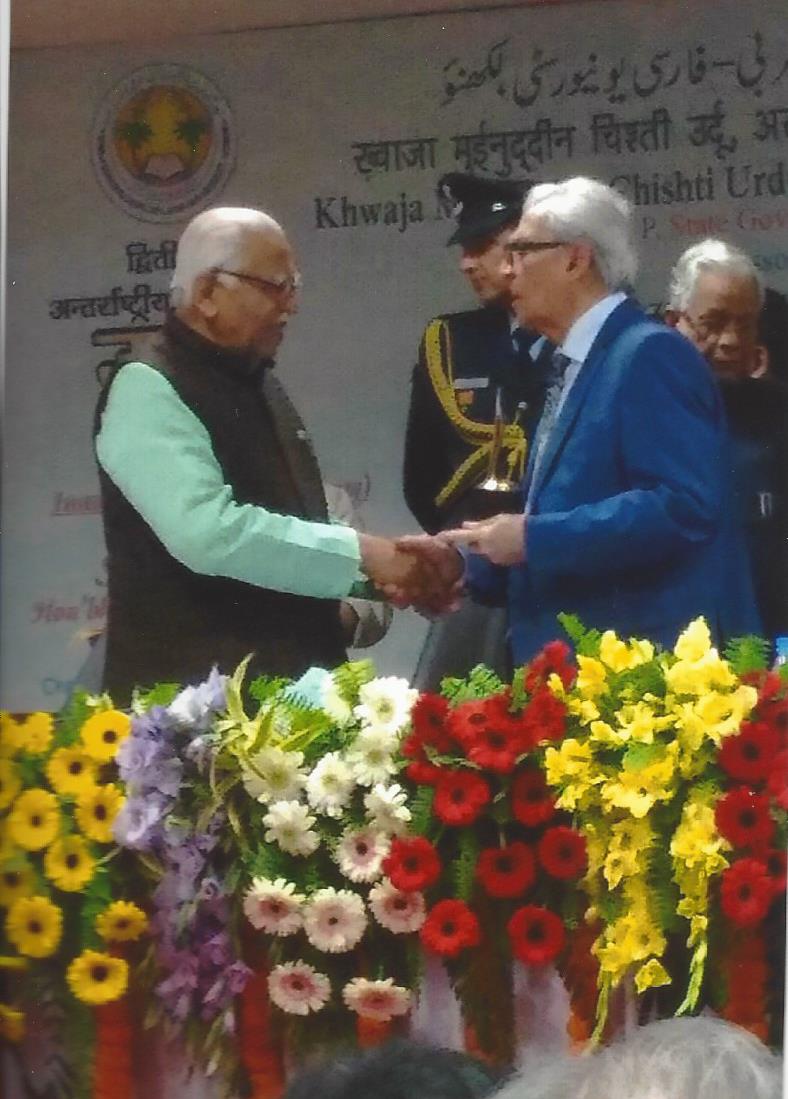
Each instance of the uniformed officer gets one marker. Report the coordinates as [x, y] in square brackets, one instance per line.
[477, 393]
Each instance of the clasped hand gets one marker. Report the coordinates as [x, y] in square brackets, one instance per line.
[418, 571]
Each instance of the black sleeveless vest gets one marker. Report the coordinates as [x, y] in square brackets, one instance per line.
[167, 623]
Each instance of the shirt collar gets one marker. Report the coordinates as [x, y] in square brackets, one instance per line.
[580, 337]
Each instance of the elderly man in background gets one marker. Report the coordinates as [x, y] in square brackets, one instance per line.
[627, 490]
[701, 1058]
[214, 512]
[715, 299]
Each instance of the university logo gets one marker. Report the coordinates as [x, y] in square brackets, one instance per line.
[163, 143]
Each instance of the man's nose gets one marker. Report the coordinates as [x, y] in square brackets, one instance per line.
[467, 263]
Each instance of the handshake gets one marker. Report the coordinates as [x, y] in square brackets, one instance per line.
[426, 571]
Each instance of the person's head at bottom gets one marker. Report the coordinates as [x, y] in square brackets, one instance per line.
[398, 1070]
[701, 1058]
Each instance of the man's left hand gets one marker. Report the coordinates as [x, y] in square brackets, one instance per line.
[500, 539]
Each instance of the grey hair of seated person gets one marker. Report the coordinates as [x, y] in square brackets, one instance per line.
[398, 1070]
[702, 1058]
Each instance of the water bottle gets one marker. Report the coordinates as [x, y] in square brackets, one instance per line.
[780, 651]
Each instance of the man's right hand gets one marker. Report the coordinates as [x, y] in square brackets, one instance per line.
[412, 572]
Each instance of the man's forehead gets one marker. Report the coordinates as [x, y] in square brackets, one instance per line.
[530, 227]
[716, 287]
[268, 247]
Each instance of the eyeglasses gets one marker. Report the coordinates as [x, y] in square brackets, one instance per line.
[523, 247]
[713, 326]
[286, 286]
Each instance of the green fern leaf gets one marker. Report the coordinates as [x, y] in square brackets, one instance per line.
[748, 654]
[351, 677]
[585, 641]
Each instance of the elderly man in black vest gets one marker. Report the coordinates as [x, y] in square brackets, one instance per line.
[214, 514]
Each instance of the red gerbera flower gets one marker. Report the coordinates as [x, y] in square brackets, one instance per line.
[449, 928]
[468, 718]
[562, 852]
[554, 658]
[775, 862]
[544, 718]
[743, 818]
[412, 863]
[507, 871]
[749, 756]
[532, 802]
[459, 797]
[777, 785]
[423, 773]
[428, 722]
[497, 745]
[746, 892]
[772, 705]
[537, 935]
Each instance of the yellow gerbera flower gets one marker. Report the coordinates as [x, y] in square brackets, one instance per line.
[10, 782]
[36, 733]
[34, 925]
[96, 810]
[11, 738]
[103, 733]
[34, 820]
[71, 771]
[16, 880]
[12, 1024]
[97, 978]
[69, 863]
[121, 922]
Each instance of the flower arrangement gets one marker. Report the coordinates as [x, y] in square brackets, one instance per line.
[66, 918]
[270, 861]
[650, 737]
[488, 850]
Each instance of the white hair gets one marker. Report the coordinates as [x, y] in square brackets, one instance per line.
[709, 255]
[215, 238]
[701, 1058]
[581, 209]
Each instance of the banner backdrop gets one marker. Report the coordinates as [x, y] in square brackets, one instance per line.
[340, 131]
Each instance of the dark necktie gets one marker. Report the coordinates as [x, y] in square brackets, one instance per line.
[556, 377]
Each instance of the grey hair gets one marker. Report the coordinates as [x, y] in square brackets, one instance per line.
[581, 209]
[215, 238]
[709, 255]
[702, 1058]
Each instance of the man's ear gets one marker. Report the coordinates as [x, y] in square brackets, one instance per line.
[203, 299]
[580, 258]
[760, 362]
[671, 317]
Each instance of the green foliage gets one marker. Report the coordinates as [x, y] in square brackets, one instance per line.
[71, 719]
[265, 688]
[481, 682]
[96, 897]
[747, 654]
[463, 869]
[645, 679]
[421, 810]
[663, 892]
[160, 694]
[639, 756]
[519, 693]
[351, 677]
[585, 641]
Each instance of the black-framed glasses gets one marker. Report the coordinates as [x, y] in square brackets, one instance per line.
[711, 327]
[523, 247]
[287, 286]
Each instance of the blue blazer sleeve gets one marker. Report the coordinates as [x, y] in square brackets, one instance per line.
[487, 583]
[668, 428]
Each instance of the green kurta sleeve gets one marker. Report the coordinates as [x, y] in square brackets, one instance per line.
[160, 457]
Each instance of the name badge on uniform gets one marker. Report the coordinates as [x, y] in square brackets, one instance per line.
[471, 383]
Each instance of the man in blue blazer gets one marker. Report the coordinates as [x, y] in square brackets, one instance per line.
[627, 520]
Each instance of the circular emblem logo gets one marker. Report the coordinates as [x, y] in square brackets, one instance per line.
[163, 143]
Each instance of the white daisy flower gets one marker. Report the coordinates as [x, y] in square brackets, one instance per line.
[274, 775]
[370, 758]
[290, 825]
[360, 854]
[330, 785]
[297, 988]
[274, 906]
[386, 808]
[380, 1000]
[397, 911]
[385, 703]
[333, 703]
[334, 920]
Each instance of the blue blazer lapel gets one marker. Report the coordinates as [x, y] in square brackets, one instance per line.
[624, 315]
